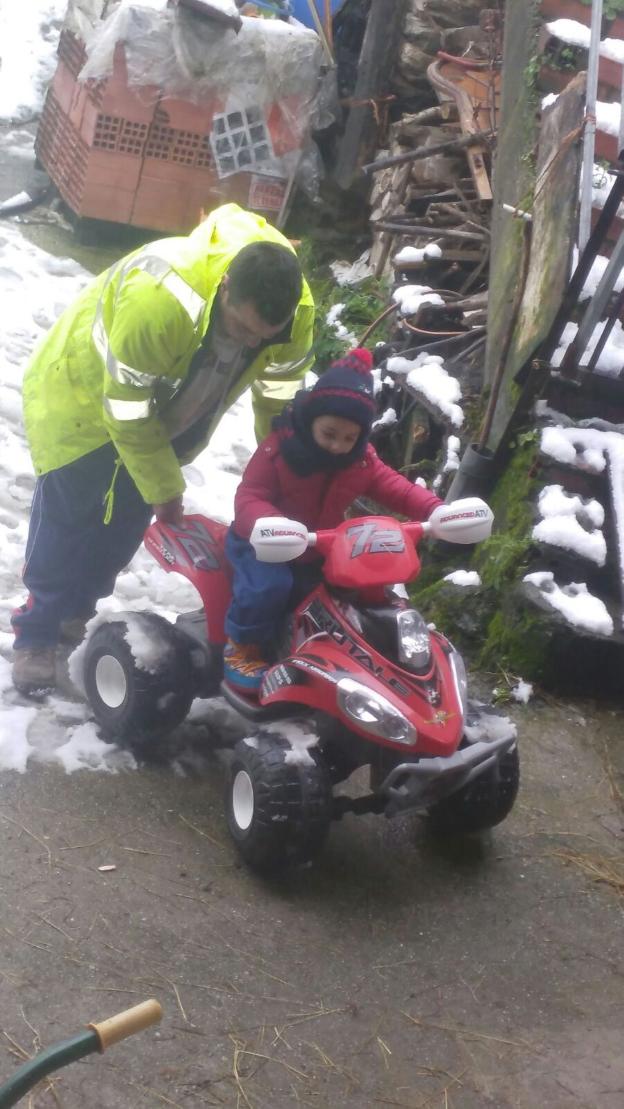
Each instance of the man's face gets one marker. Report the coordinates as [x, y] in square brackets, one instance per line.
[242, 322]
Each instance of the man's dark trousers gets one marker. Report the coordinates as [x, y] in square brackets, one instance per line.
[72, 556]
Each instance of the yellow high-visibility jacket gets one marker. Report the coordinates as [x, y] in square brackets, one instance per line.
[125, 346]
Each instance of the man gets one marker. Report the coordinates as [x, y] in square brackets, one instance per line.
[130, 384]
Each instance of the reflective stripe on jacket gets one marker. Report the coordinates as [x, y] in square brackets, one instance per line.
[121, 351]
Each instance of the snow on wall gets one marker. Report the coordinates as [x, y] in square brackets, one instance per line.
[563, 517]
[592, 451]
[580, 608]
[426, 376]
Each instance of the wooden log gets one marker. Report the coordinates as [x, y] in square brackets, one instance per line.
[428, 151]
[432, 232]
[383, 29]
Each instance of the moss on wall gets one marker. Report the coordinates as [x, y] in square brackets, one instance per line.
[492, 624]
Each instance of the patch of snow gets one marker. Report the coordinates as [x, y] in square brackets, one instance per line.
[608, 117]
[576, 604]
[332, 319]
[84, 750]
[352, 273]
[29, 41]
[575, 447]
[567, 533]
[415, 255]
[300, 736]
[426, 376]
[568, 30]
[555, 501]
[387, 419]
[613, 49]
[463, 578]
[611, 359]
[602, 183]
[442, 390]
[577, 34]
[595, 274]
[489, 727]
[453, 447]
[522, 692]
[412, 297]
[150, 649]
[15, 746]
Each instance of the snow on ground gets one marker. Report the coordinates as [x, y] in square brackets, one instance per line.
[522, 692]
[28, 42]
[35, 287]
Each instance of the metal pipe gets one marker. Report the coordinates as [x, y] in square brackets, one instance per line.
[587, 172]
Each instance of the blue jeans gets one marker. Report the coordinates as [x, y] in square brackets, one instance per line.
[262, 592]
[72, 556]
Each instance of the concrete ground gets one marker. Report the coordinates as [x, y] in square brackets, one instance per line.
[395, 972]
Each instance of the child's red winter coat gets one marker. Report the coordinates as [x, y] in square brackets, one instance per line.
[270, 488]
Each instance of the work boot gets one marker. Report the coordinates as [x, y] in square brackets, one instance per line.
[34, 669]
[73, 631]
[244, 666]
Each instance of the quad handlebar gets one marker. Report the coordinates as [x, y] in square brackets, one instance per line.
[277, 539]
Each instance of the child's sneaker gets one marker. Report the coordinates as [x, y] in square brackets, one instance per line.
[244, 666]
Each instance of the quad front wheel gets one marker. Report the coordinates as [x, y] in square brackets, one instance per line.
[138, 678]
[480, 804]
[278, 811]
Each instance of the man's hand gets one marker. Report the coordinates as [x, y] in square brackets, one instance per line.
[170, 512]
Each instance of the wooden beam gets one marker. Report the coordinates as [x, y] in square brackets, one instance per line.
[377, 59]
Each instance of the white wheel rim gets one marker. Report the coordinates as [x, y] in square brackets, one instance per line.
[242, 800]
[111, 681]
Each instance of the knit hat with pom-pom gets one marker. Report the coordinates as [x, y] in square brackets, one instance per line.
[346, 389]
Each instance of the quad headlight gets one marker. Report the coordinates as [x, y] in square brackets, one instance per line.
[460, 678]
[414, 640]
[372, 712]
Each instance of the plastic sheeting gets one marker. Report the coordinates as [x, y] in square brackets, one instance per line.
[266, 84]
[194, 58]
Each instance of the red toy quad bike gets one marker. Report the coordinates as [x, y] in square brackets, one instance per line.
[363, 679]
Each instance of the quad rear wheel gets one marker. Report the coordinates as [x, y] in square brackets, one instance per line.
[138, 678]
[278, 812]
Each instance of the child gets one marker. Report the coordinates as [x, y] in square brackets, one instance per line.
[311, 468]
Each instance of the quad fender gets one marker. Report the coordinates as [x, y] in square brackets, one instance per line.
[196, 551]
[310, 677]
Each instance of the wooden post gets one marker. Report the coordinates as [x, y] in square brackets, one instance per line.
[385, 23]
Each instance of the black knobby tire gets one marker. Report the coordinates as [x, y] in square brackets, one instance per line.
[133, 705]
[278, 812]
[482, 803]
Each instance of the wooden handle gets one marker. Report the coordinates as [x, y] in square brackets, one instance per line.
[125, 1024]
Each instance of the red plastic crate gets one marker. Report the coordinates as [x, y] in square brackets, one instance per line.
[102, 140]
